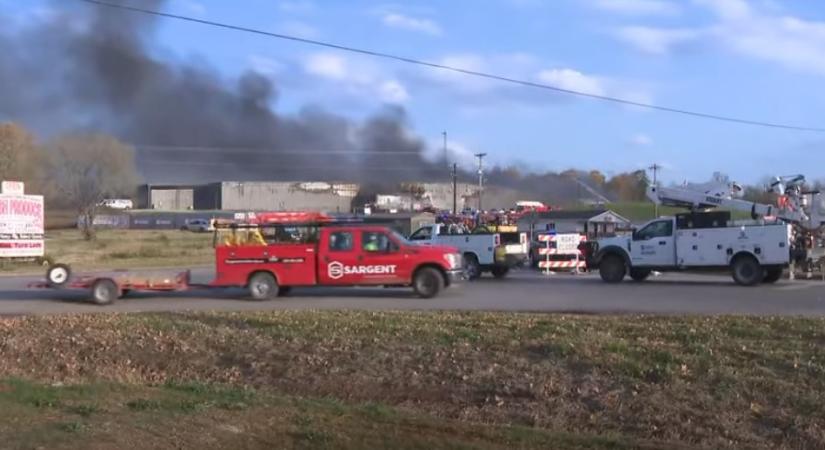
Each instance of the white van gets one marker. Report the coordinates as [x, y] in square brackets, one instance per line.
[116, 203]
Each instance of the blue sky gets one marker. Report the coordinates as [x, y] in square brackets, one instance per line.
[759, 60]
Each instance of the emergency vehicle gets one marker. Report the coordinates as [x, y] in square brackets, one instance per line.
[488, 248]
[754, 251]
[270, 253]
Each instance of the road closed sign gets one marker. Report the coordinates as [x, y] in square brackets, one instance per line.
[567, 244]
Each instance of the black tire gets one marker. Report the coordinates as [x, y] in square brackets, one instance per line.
[58, 275]
[283, 291]
[746, 271]
[104, 292]
[772, 275]
[472, 269]
[428, 282]
[639, 275]
[612, 269]
[262, 286]
[500, 271]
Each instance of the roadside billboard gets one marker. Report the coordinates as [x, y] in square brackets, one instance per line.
[21, 226]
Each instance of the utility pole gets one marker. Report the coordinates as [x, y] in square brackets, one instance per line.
[655, 168]
[446, 159]
[455, 188]
[480, 157]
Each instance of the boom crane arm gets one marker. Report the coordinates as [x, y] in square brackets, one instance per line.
[720, 193]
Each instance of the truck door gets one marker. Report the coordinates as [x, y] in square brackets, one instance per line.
[339, 254]
[654, 245]
[382, 261]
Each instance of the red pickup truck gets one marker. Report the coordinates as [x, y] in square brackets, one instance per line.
[273, 252]
[315, 253]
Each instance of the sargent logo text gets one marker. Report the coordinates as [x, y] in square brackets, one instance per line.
[337, 270]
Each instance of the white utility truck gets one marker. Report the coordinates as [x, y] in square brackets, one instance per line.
[754, 251]
[495, 252]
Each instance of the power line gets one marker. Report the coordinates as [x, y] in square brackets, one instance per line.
[192, 148]
[458, 69]
[289, 168]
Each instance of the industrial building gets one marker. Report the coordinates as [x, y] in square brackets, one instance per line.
[251, 196]
[167, 197]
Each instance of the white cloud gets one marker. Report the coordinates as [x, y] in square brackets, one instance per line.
[657, 41]
[638, 7]
[572, 80]
[327, 65]
[192, 7]
[743, 28]
[357, 78]
[641, 140]
[265, 65]
[401, 21]
[297, 6]
[299, 29]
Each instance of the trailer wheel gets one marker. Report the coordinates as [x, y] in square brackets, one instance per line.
[428, 282]
[262, 286]
[58, 275]
[500, 271]
[639, 275]
[747, 271]
[472, 269]
[612, 269]
[772, 275]
[104, 292]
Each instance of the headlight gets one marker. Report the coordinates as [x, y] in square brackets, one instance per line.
[453, 260]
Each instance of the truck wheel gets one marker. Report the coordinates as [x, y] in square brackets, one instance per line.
[428, 282]
[262, 286]
[747, 271]
[58, 275]
[104, 292]
[639, 275]
[772, 275]
[472, 269]
[612, 269]
[500, 272]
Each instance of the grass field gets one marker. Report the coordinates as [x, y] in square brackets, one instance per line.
[411, 380]
[124, 249]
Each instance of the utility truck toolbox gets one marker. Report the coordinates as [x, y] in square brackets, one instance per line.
[270, 253]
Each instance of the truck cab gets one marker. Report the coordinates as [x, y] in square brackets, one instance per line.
[271, 257]
[496, 252]
[754, 251]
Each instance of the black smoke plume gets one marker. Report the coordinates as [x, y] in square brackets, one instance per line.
[83, 67]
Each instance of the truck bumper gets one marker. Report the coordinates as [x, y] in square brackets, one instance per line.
[511, 260]
[455, 276]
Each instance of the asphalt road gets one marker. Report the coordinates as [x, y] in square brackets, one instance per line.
[522, 291]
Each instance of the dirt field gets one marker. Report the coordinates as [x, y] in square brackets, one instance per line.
[411, 380]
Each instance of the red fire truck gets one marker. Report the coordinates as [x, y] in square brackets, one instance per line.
[270, 253]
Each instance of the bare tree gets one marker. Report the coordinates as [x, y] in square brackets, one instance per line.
[87, 168]
[20, 158]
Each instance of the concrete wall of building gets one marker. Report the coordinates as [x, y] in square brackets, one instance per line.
[270, 196]
[440, 195]
[171, 199]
